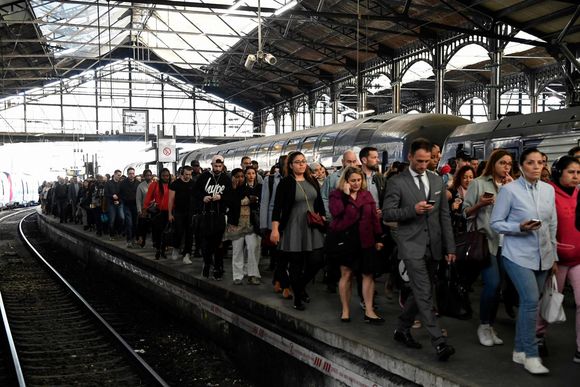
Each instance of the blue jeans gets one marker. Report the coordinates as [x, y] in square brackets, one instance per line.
[130, 213]
[114, 212]
[489, 300]
[529, 284]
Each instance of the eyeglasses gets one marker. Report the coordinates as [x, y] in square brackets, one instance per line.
[299, 162]
[504, 163]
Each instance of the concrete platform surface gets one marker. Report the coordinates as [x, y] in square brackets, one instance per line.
[473, 364]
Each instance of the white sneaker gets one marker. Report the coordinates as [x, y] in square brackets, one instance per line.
[519, 357]
[174, 254]
[186, 259]
[494, 337]
[484, 335]
[534, 366]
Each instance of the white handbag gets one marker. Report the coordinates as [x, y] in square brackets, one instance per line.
[551, 308]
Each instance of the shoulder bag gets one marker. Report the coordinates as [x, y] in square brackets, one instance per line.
[473, 247]
[314, 219]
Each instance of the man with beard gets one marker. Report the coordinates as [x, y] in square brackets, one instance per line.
[211, 190]
[376, 185]
[181, 213]
[128, 194]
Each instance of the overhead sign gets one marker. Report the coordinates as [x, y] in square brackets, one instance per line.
[166, 152]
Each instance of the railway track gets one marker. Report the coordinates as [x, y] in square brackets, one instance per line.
[50, 334]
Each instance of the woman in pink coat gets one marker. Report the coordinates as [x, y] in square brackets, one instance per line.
[356, 230]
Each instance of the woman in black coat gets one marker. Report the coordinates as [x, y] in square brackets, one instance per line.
[297, 194]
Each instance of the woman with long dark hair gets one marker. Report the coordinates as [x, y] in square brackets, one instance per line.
[298, 193]
[477, 206]
[156, 203]
[565, 180]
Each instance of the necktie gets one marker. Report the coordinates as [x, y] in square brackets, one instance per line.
[421, 185]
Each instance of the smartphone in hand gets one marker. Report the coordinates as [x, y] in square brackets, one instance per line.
[488, 195]
[431, 202]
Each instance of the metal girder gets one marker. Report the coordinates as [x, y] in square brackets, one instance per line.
[417, 22]
[516, 7]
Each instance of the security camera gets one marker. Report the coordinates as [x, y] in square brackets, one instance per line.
[250, 61]
[270, 59]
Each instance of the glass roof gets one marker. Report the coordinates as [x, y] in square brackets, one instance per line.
[188, 37]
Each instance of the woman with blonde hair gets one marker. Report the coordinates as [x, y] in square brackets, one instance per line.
[357, 228]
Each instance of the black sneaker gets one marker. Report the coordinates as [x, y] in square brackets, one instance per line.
[444, 352]
[576, 357]
[205, 271]
[542, 347]
[218, 275]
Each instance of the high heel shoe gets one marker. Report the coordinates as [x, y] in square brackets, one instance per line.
[374, 320]
[345, 319]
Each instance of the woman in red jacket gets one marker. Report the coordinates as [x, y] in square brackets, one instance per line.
[356, 224]
[156, 204]
[565, 179]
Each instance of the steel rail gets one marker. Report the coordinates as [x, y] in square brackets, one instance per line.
[145, 368]
[13, 353]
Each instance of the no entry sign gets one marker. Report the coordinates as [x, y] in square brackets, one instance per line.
[166, 151]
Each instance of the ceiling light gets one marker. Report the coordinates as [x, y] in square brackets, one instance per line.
[286, 7]
[365, 112]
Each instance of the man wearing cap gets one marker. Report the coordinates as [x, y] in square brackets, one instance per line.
[211, 190]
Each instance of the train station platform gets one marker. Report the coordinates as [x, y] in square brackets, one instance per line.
[283, 346]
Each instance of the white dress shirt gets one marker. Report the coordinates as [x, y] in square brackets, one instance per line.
[423, 178]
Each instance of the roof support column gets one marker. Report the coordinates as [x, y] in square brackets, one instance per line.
[494, 105]
[533, 92]
[277, 119]
[439, 71]
[312, 109]
[334, 102]
[259, 121]
[396, 85]
[293, 115]
[361, 92]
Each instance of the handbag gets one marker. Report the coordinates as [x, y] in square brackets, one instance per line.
[153, 209]
[452, 297]
[473, 247]
[551, 308]
[345, 242]
[314, 219]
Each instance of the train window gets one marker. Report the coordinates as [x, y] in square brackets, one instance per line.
[308, 147]
[326, 143]
[363, 137]
[229, 156]
[275, 152]
[242, 152]
[292, 145]
[477, 151]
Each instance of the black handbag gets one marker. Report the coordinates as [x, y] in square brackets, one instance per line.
[341, 243]
[472, 247]
[452, 297]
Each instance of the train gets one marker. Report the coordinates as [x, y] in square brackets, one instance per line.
[553, 132]
[18, 190]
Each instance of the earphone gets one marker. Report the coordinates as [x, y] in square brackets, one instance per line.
[559, 164]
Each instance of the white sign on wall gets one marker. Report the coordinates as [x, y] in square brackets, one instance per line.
[166, 151]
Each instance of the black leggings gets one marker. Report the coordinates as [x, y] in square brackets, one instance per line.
[303, 268]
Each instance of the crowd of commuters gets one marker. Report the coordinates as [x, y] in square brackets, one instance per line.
[357, 223]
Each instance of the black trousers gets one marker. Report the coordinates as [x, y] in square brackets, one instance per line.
[158, 224]
[212, 254]
[303, 268]
[61, 209]
[281, 268]
[183, 224]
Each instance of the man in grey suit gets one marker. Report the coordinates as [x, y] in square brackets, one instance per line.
[416, 200]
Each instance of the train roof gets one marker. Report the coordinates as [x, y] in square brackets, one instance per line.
[525, 124]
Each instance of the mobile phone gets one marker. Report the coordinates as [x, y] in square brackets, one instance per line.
[487, 194]
[431, 202]
[535, 221]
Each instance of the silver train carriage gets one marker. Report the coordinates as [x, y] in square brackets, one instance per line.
[554, 133]
[391, 134]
